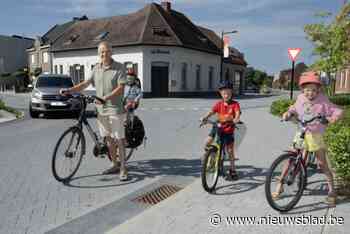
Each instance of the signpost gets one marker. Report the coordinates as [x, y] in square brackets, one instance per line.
[293, 53]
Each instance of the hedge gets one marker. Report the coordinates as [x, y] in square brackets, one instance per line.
[280, 106]
[341, 100]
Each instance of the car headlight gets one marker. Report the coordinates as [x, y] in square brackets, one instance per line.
[37, 94]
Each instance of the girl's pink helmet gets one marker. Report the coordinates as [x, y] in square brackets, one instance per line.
[309, 77]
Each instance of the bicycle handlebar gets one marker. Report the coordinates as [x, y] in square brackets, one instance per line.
[322, 119]
[88, 98]
[215, 123]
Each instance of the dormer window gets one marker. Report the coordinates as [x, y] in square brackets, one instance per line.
[72, 38]
[159, 31]
[101, 36]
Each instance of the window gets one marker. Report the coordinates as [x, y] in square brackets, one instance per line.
[45, 81]
[45, 57]
[341, 79]
[71, 39]
[55, 69]
[237, 79]
[92, 67]
[210, 77]
[227, 74]
[77, 73]
[61, 69]
[160, 31]
[33, 58]
[184, 76]
[198, 77]
[344, 79]
[347, 78]
[101, 36]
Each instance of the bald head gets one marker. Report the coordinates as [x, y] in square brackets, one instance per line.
[105, 52]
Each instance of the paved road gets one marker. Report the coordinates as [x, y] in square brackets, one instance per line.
[31, 201]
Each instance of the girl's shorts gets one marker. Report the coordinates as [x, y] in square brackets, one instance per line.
[312, 142]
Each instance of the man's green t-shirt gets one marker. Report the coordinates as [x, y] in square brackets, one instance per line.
[106, 79]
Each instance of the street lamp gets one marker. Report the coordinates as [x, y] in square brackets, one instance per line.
[222, 49]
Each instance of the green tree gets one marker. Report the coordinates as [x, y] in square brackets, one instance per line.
[257, 78]
[331, 41]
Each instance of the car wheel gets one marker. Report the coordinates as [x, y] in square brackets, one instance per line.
[33, 114]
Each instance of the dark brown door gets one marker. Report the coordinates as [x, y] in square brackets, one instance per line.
[160, 81]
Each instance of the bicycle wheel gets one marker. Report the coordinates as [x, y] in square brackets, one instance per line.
[128, 153]
[68, 154]
[290, 175]
[210, 170]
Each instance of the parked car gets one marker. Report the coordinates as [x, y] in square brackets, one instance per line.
[45, 97]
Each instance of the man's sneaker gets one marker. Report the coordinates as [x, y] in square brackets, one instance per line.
[123, 175]
[112, 170]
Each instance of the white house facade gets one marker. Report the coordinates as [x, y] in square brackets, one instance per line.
[185, 70]
[171, 55]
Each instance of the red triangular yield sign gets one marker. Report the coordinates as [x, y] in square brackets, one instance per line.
[293, 53]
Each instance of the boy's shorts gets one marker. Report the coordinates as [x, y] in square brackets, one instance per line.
[112, 125]
[227, 138]
[312, 142]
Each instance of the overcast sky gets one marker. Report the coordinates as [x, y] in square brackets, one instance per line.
[266, 27]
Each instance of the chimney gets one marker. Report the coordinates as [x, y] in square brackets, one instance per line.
[166, 5]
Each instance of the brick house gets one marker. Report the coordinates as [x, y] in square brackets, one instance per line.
[39, 55]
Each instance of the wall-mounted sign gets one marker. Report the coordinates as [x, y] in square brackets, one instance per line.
[159, 51]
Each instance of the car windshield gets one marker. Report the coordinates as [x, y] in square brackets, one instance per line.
[54, 82]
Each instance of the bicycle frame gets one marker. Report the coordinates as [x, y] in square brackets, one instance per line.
[219, 149]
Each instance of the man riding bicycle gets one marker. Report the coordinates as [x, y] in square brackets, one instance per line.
[109, 78]
[228, 112]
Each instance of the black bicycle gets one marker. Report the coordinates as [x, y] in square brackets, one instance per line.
[213, 159]
[71, 146]
[287, 176]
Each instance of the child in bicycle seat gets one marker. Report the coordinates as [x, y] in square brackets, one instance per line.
[132, 92]
[309, 104]
[228, 112]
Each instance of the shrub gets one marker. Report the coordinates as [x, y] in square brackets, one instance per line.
[341, 100]
[337, 138]
[280, 106]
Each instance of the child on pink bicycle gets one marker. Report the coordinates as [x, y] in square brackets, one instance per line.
[309, 104]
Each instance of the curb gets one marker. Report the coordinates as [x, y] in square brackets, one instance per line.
[6, 117]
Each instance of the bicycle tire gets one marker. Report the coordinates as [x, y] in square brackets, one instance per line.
[128, 153]
[301, 183]
[81, 140]
[209, 155]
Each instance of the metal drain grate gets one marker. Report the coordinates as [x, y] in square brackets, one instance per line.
[157, 195]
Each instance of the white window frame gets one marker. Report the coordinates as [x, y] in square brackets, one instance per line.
[32, 58]
[45, 57]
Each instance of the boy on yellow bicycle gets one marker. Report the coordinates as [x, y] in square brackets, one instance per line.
[228, 112]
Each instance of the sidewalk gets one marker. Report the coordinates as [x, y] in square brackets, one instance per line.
[190, 210]
[6, 116]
